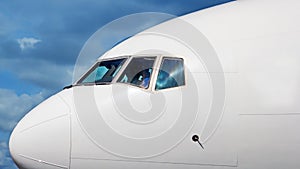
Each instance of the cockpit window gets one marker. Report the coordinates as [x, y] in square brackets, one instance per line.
[103, 72]
[171, 74]
[138, 72]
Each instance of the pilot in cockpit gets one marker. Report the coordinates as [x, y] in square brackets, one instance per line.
[145, 78]
[142, 78]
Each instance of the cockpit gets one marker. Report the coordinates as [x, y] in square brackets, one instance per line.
[146, 72]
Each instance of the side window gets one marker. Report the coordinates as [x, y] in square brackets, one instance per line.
[171, 74]
[138, 72]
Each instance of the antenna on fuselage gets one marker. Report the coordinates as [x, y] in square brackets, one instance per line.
[196, 138]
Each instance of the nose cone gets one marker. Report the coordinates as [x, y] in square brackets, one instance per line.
[42, 138]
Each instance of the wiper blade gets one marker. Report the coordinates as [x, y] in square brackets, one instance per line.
[102, 83]
[86, 84]
[68, 87]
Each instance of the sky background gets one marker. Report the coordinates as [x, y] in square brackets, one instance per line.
[40, 41]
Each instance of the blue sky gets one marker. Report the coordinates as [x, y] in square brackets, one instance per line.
[40, 41]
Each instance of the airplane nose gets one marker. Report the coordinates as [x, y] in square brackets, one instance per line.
[42, 138]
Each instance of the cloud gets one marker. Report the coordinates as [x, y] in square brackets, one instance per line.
[26, 43]
[13, 107]
[2, 155]
[43, 74]
[5, 160]
[3, 144]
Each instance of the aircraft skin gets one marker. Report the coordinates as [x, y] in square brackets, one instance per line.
[243, 104]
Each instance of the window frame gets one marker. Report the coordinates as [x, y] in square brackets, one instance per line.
[153, 78]
[158, 69]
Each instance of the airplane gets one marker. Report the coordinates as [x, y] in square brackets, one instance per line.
[214, 89]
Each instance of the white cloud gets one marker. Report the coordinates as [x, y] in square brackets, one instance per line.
[3, 144]
[13, 107]
[26, 43]
[5, 160]
[2, 155]
[3, 149]
[47, 75]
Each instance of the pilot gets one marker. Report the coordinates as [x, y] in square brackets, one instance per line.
[145, 78]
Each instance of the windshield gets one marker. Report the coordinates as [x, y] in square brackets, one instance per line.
[138, 72]
[103, 72]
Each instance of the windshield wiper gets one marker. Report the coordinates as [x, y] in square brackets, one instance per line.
[102, 83]
[68, 87]
[86, 84]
